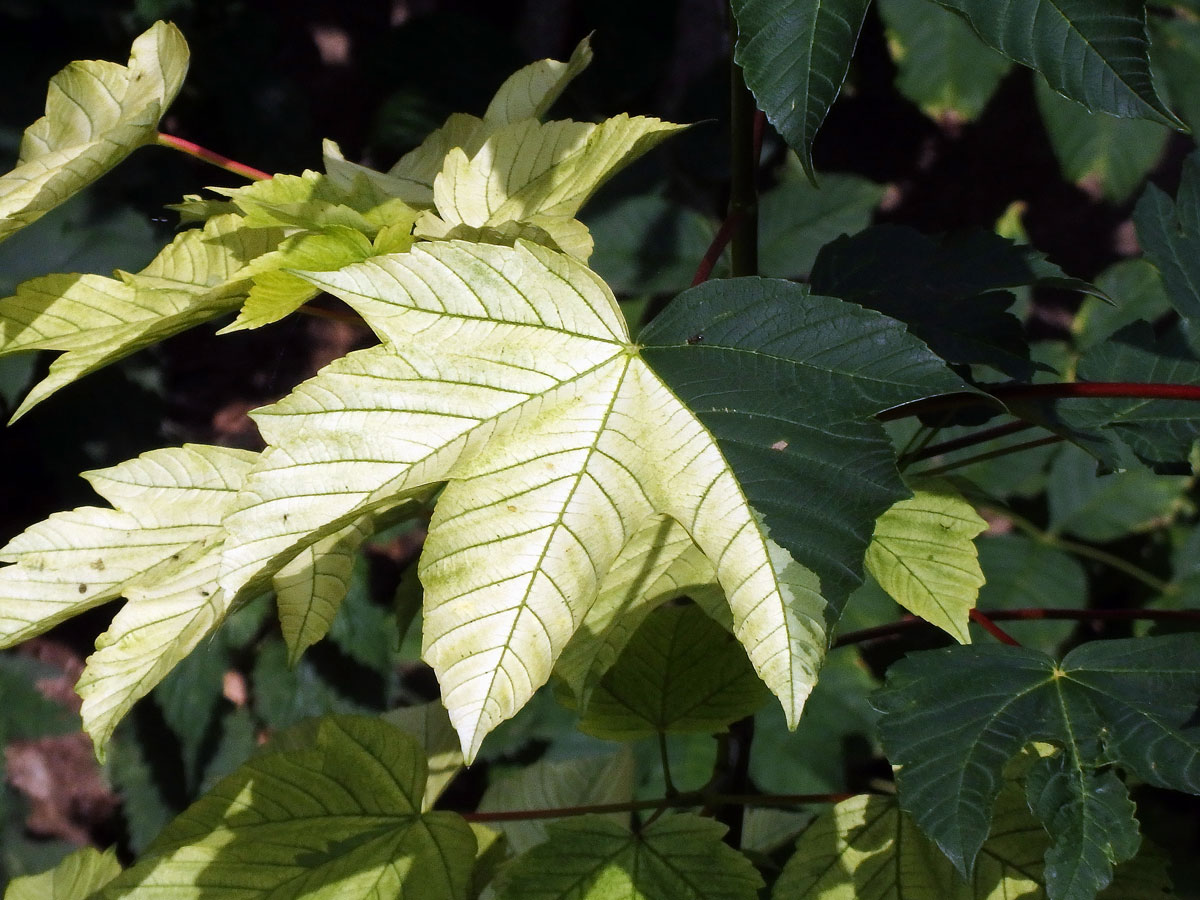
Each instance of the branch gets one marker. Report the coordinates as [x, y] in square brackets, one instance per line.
[1108, 389]
[991, 454]
[211, 157]
[679, 801]
[985, 622]
[961, 443]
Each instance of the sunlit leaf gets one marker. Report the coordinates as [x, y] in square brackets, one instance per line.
[508, 373]
[923, 554]
[339, 818]
[97, 113]
[75, 878]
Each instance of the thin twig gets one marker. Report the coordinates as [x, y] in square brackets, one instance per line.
[211, 157]
[960, 443]
[991, 454]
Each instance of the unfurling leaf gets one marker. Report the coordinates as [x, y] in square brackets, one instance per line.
[97, 113]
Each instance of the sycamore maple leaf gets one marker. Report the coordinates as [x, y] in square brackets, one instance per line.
[508, 373]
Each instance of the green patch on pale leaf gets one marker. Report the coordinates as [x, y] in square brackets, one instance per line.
[77, 877]
[97, 113]
[923, 554]
[94, 321]
[508, 374]
[681, 672]
[341, 817]
[677, 857]
[158, 547]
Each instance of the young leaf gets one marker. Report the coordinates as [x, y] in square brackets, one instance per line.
[952, 718]
[944, 68]
[794, 55]
[787, 381]
[508, 373]
[536, 173]
[679, 857]
[97, 113]
[530, 92]
[95, 321]
[556, 784]
[923, 554]
[681, 672]
[339, 818]
[75, 878]
[159, 547]
[1094, 51]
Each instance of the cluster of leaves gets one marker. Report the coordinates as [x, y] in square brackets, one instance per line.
[670, 527]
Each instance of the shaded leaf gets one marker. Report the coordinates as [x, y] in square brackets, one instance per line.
[681, 672]
[794, 55]
[1169, 232]
[1138, 292]
[952, 718]
[1095, 149]
[944, 68]
[923, 554]
[555, 784]
[429, 725]
[679, 857]
[1094, 51]
[953, 292]
[97, 113]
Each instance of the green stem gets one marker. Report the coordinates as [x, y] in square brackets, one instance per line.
[211, 157]
[664, 756]
[745, 136]
[1087, 552]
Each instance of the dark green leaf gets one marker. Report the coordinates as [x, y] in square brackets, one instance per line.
[1093, 51]
[681, 672]
[1108, 507]
[1170, 234]
[953, 293]
[952, 718]
[1137, 290]
[788, 382]
[1126, 432]
[797, 219]
[1177, 62]
[944, 68]
[795, 55]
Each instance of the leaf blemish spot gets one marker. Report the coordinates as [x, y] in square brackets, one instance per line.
[98, 565]
[779, 445]
[83, 589]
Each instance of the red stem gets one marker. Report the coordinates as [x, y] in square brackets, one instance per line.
[892, 629]
[967, 440]
[993, 629]
[212, 157]
[1095, 389]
